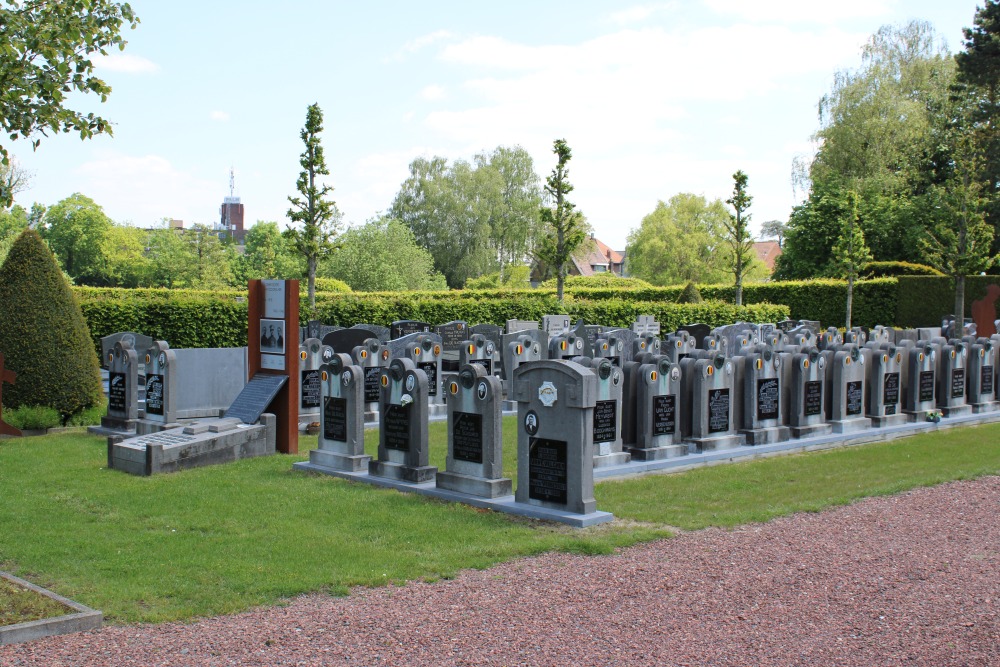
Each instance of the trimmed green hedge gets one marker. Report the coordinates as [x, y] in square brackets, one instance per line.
[924, 300]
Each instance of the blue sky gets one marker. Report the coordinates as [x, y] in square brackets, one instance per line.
[654, 99]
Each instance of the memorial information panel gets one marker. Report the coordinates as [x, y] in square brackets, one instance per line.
[397, 427]
[664, 414]
[605, 423]
[485, 363]
[855, 397]
[813, 404]
[256, 395]
[890, 392]
[768, 396]
[311, 389]
[926, 386]
[372, 376]
[116, 392]
[718, 410]
[958, 383]
[154, 394]
[335, 419]
[985, 380]
[548, 475]
[467, 437]
[432, 377]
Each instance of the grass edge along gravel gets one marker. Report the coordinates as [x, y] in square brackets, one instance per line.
[224, 539]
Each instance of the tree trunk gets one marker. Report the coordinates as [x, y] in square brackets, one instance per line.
[312, 285]
[959, 306]
[850, 299]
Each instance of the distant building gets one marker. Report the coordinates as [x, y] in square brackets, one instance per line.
[767, 253]
[231, 220]
[595, 256]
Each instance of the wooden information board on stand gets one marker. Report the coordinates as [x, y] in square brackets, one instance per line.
[273, 349]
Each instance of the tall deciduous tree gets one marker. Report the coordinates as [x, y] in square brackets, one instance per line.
[738, 236]
[46, 56]
[75, 230]
[850, 252]
[563, 224]
[317, 215]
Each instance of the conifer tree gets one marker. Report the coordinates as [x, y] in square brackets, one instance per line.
[564, 228]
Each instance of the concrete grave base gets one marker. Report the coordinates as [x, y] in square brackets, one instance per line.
[505, 504]
[112, 426]
[982, 408]
[657, 453]
[474, 486]
[715, 444]
[402, 473]
[851, 425]
[811, 430]
[956, 411]
[148, 426]
[611, 459]
[767, 435]
[78, 618]
[201, 443]
[889, 420]
[508, 406]
[437, 410]
[326, 459]
[918, 416]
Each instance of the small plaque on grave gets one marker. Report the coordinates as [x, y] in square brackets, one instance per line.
[547, 470]
[986, 380]
[718, 410]
[154, 394]
[335, 419]
[452, 335]
[768, 396]
[116, 392]
[311, 393]
[664, 414]
[432, 376]
[813, 403]
[485, 363]
[372, 375]
[467, 437]
[926, 385]
[855, 397]
[958, 382]
[605, 413]
[274, 298]
[890, 392]
[257, 394]
[397, 427]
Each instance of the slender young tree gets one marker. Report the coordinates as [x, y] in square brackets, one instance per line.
[318, 216]
[564, 229]
[738, 236]
[850, 252]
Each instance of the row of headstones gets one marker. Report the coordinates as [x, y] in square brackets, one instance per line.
[576, 414]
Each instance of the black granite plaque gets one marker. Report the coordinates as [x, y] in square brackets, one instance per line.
[485, 363]
[985, 380]
[310, 387]
[855, 397]
[397, 427]
[257, 394]
[335, 418]
[957, 382]
[116, 392]
[452, 335]
[890, 392]
[768, 397]
[467, 437]
[373, 377]
[718, 410]
[432, 376]
[616, 361]
[402, 328]
[813, 398]
[154, 394]
[605, 421]
[926, 386]
[343, 341]
[664, 414]
[548, 474]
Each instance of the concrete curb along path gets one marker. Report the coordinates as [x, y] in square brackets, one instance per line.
[84, 619]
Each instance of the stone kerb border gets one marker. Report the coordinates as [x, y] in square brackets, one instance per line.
[83, 620]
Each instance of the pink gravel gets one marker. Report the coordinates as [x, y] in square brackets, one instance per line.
[911, 579]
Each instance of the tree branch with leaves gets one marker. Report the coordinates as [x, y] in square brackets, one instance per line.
[737, 235]
[563, 224]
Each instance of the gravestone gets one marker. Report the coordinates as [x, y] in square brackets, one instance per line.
[697, 332]
[403, 440]
[555, 447]
[401, 328]
[807, 394]
[829, 339]
[343, 341]
[161, 383]
[715, 343]
[565, 346]
[677, 346]
[919, 380]
[847, 390]
[256, 398]
[424, 350]
[646, 325]
[123, 394]
[611, 347]
[521, 347]
[951, 374]
[555, 325]
[627, 338]
[136, 341]
[481, 351]
[740, 337]
[712, 396]
[787, 325]
[494, 334]
[514, 326]
[657, 417]
[607, 421]
[980, 393]
[475, 456]
[763, 413]
[453, 336]
[642, 344]
[585, 335]
[630, 372]
[373, 357]
[883, 397]
[381, 332]
[341, 443]
[310, 385]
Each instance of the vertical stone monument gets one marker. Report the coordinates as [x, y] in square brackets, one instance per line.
[475, 456]
[310, 384]
[847, 370]
[555, 447]
[919, 380]
[481, 351]
[403, 439]
[763, 413]
[123, 393]
[342, 435]
[161, 384]
[657, 401]
[808, 377]
[373, 356]
[980, 394]
[607, 421]
[712, 397]
[951, 369]
[883, 397]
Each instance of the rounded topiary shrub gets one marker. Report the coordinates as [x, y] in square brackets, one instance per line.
[891, 269]
[43, 334]
[690, 294]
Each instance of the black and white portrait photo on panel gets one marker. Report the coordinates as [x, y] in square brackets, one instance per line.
[272, 336]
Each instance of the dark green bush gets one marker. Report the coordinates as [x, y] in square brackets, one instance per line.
[605, 279]
[43, 334]
[33, 417]
[924, 300]
[690, 294]
[891, 269]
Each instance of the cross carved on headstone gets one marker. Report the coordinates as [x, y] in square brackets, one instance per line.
[6, 376]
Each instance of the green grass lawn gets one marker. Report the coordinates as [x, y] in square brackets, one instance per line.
[221, 539]
[20, 605]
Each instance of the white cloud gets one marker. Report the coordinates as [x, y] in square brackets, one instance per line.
[221, 116]
[418, 44]
[640, 12]
[789, 11]
[432, 92]
[126, 62]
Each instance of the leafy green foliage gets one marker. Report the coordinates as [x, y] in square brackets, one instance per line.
[32, 417]
[690, 294]
[382, 256]
[598, 280]
[737, 234]
[75, 230]
[267, 254]
[516, 277]
[44, 337]
[889, 269]
[329, 285]
[317, 215]
[564, 229]
[45, 58]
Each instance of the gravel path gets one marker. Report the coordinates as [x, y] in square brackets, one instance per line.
[912, 579]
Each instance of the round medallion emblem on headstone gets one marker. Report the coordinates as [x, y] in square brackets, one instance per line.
[531, 423]
[548, 394]
[482, 391]
[410, 382]
[162, 359]
[327, 354]
[346, 377]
